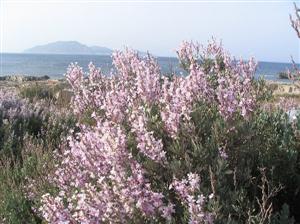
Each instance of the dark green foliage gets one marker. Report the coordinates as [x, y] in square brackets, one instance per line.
[14, 207]
[27, 143]
[266, 140]
[283, 217]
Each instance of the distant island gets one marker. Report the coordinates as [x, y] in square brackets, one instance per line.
[71, 48]
[68, 47]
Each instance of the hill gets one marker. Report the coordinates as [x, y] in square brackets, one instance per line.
[68, 47]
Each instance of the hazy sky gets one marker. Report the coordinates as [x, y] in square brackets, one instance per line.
[260, 29]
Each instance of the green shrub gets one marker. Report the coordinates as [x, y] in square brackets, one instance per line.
[27, 142]
[41, 90]
[262, 151]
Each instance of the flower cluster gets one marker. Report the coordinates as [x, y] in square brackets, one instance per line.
[187, 191]
[235, 91]
[12, 106]
[224, 80]
[101, 181]
[146, 142]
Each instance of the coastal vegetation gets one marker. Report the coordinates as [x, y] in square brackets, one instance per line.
[136, 146]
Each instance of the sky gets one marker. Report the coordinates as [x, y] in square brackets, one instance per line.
[247, 28]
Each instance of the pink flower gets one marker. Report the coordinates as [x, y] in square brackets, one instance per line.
[187, 190]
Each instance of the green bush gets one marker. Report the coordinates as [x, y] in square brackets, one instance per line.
[260, 168]
[41, 90]
[27, 142]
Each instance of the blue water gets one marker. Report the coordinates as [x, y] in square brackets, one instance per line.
[55, 65]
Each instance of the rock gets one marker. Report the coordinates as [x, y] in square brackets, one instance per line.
[283, 75]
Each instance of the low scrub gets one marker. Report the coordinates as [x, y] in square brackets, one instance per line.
[193, 149]
[140, 147]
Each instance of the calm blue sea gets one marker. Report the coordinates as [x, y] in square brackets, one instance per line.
[55, 65]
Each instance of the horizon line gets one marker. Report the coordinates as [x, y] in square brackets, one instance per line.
[148, 1]
[109, 55]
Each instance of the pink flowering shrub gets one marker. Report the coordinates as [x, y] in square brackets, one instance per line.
[162, 149]
[295, 22]
[227, 83]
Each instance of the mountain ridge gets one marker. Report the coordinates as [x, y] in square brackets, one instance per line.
[68, 47]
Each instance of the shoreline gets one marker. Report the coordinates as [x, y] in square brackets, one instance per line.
[280, 87]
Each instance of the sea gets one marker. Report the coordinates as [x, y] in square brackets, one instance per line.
[55, 66]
